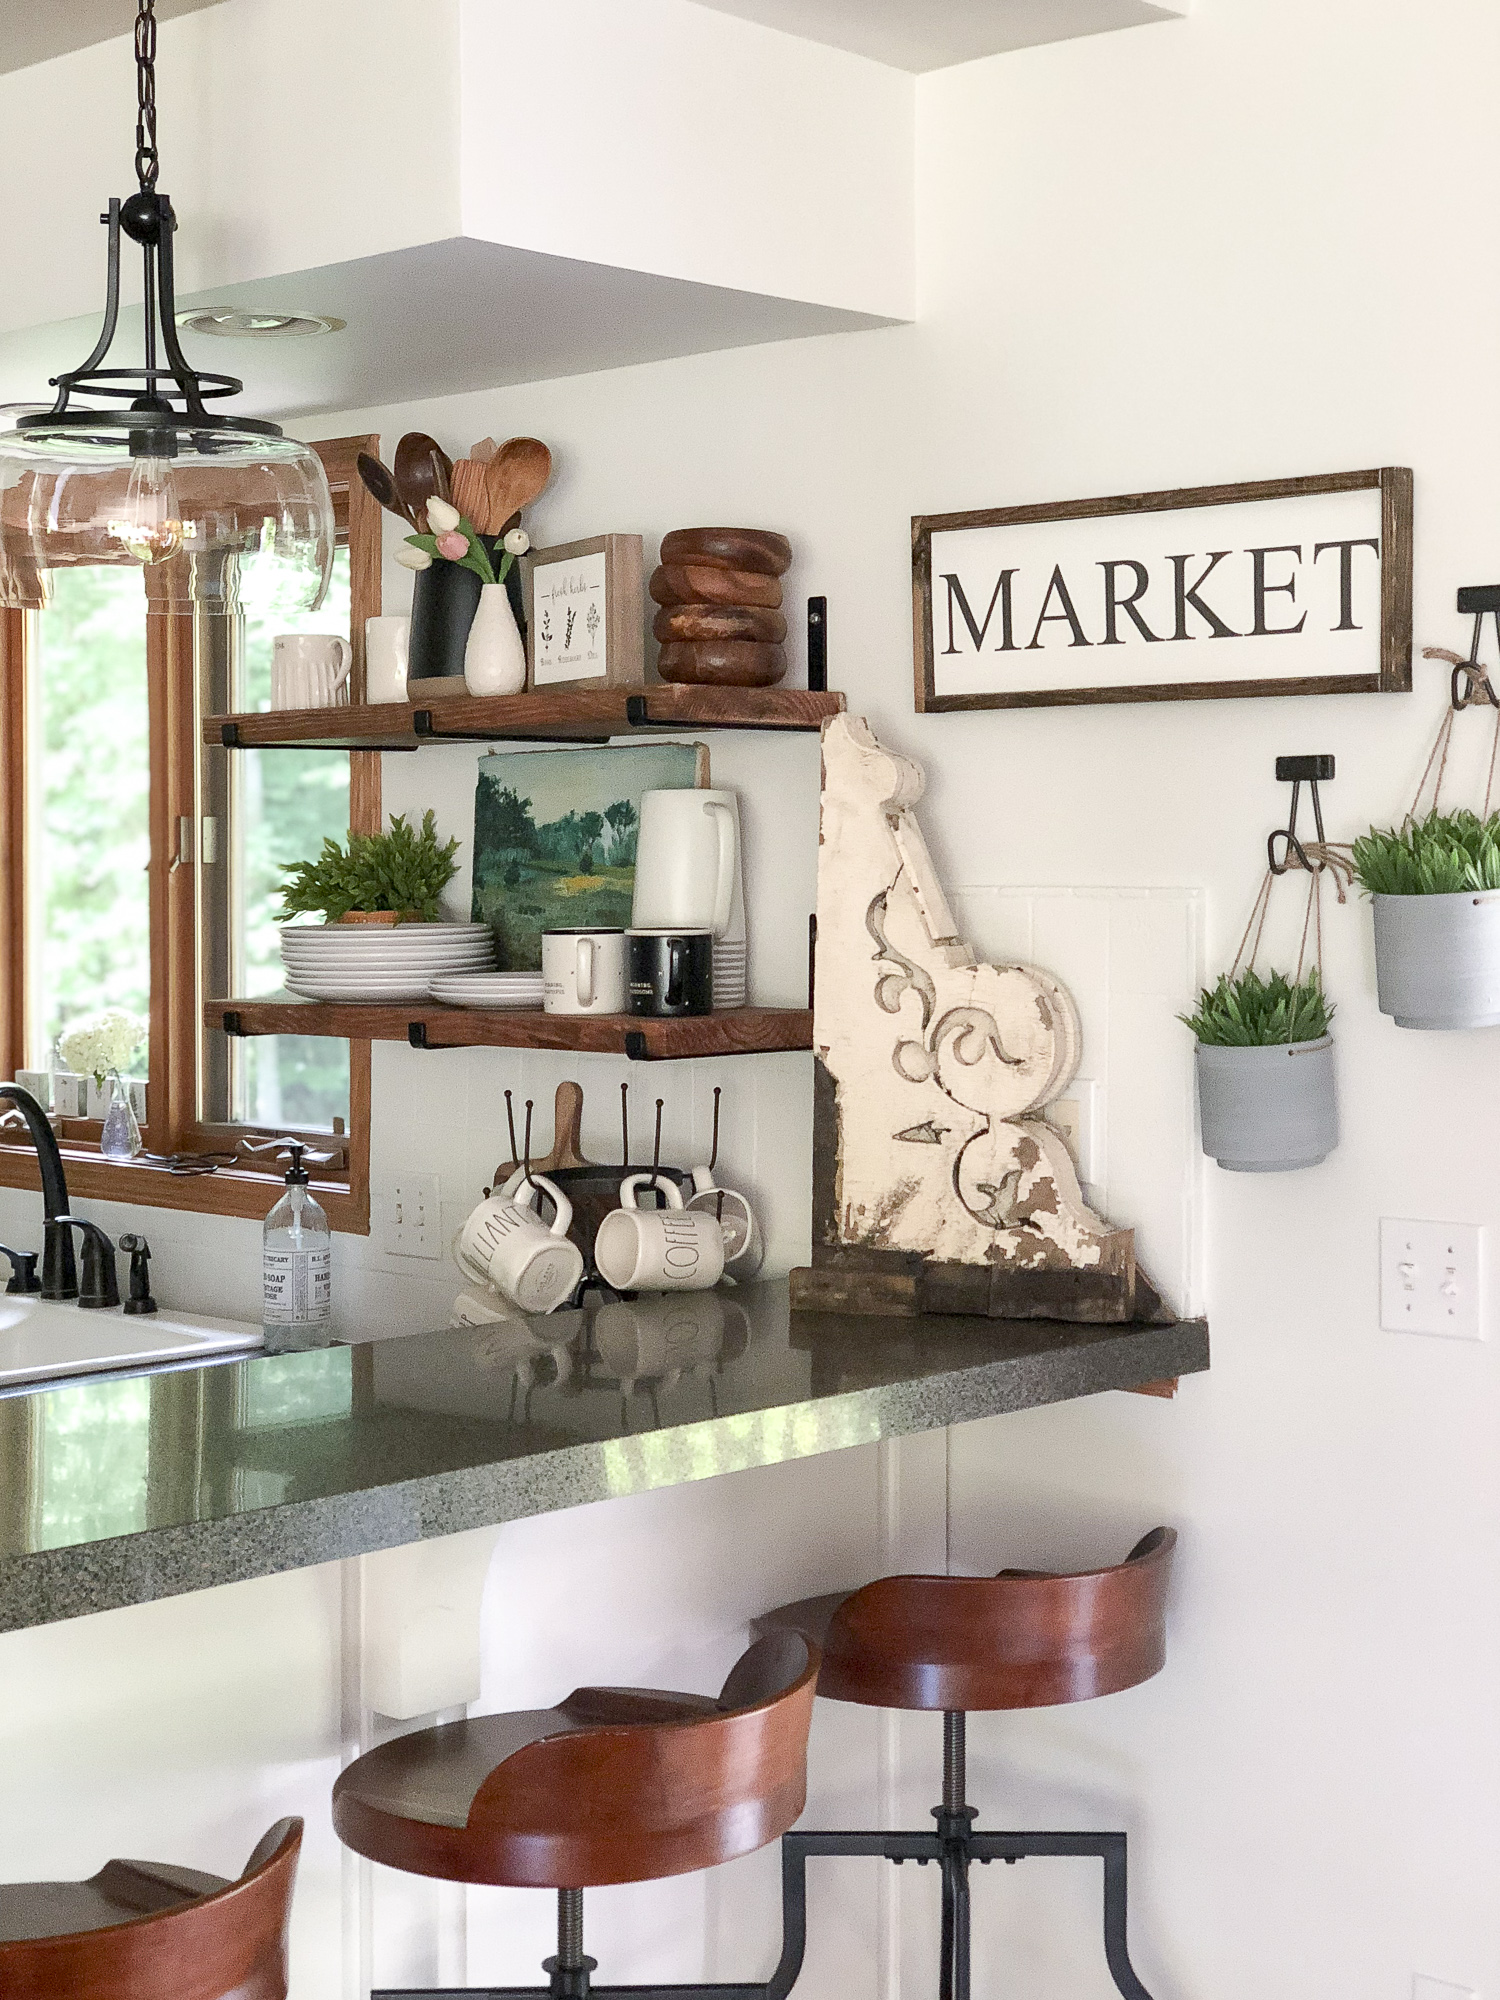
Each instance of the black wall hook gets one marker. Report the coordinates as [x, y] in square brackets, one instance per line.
[1297, 772]
[1470, 686]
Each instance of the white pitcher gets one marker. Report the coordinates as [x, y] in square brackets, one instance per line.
[310, 669]
[687, 864]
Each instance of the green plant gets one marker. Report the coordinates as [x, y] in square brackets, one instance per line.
[401, 870]
[1441, 855]
[1251, 1013]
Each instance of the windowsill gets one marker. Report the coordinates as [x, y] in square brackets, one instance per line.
[239, 1191]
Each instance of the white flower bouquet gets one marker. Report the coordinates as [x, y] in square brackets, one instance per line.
[102, 1042]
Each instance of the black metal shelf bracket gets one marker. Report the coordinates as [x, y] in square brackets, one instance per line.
[229, 735]
[817, 645]
[1297, 772]
[233, 1025]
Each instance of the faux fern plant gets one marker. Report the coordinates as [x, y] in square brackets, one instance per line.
[402, 871]
[1444, 854]
[1249, 1012]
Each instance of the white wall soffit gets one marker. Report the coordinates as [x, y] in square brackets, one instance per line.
[510, 195]
[933, 34]
[33, 31]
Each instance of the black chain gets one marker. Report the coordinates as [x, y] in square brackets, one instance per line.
[146, 163]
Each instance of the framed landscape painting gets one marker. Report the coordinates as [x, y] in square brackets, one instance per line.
[555, 836]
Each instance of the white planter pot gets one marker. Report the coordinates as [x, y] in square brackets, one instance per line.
[1268, 1110]
[1437, 959]
[495, 656]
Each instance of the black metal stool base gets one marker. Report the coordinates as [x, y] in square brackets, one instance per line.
[953, 1846]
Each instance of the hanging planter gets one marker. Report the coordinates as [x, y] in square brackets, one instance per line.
[1267, 1100]
[1434, 882]
[1267, 1096]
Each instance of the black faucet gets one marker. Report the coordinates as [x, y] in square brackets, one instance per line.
[59, 1274]
[101, 1283]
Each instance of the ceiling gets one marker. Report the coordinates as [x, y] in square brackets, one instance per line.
[932, 34]
[33, 30]
[929, 35]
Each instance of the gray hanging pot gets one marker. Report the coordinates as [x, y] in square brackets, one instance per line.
[1437, 959]
[1268, 1110]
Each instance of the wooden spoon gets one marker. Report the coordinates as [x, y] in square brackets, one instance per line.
[484, 451]
[378, 481]
[467, 492]
[423, 472]
[514, 477]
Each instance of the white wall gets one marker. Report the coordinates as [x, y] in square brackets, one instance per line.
[1246, 245]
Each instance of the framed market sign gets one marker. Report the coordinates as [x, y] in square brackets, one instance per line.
[1283, 586]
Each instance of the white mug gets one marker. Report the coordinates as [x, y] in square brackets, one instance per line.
[687, 864]
[667, 1249]
[506, 1245]
[660, 1340]
[744, 1247]
[583, 972]
[387, 651]
[309, 669]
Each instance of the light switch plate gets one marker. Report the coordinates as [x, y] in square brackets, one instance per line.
[1431, 1278]
[414, 1225]
[1425, 1988]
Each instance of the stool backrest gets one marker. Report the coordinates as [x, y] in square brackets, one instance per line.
[1022, 1639]
[671, 1795]
[227, 1945]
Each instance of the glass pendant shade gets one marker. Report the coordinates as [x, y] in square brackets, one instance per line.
[228, 520]
[217, 512]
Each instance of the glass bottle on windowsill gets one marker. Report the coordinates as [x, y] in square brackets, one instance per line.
[120, 1135]
[296, 1268]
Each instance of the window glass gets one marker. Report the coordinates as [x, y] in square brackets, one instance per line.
[88, 894]
[286, 803]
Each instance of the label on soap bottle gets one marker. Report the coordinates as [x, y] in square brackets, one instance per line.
[298, 1287]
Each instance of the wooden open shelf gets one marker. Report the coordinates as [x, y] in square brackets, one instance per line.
[590, 715]
[738, 1031]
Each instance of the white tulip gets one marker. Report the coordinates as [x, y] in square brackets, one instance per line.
[442, 518]
[517, 542]
[410, 558]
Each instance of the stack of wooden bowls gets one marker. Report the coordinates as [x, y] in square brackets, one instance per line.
[720, 622]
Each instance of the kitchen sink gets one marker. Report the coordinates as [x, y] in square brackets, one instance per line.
[41, 1341]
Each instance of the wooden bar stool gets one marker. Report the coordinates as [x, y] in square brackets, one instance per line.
[1022, 1639]
[612, 1785]
[144, 1930]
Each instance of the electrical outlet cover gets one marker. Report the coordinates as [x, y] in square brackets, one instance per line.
[1431, 1278]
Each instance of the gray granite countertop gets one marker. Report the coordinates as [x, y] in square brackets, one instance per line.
[119, 1490]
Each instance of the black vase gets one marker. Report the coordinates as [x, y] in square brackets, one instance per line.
[444, 599]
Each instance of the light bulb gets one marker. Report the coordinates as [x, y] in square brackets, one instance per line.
[150, 524]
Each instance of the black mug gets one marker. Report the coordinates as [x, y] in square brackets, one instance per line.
[669, 973]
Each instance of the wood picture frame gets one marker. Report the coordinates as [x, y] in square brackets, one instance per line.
[595, 593]
[1348, 621]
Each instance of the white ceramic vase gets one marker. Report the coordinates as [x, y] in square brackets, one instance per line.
[495, 657]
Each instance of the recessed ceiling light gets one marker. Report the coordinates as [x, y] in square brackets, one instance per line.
[245, 323]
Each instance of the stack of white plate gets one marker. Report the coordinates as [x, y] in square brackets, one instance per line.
[729, 972]
[488, 989]
[380, 961]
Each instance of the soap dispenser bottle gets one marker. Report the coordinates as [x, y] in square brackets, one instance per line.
[296, 1267]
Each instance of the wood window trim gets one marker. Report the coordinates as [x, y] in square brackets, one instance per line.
[176, 1011]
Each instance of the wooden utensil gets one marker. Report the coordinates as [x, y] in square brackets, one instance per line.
[514, 477]
[722, 663]
[719, 621]
[484, 451]
[467, 491]
[378, 481]
[679, 583]
[422, 471]
[758, 549]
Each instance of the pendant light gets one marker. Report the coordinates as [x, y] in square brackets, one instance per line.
[216, 510]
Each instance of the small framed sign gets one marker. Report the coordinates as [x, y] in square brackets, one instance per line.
[585, 614]
[1282, 586]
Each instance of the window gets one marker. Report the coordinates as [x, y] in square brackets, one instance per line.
[140, 865]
